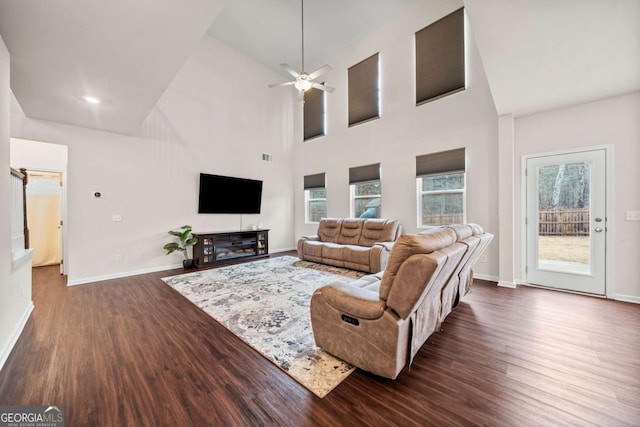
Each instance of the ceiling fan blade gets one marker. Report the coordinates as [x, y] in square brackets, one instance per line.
[281, 84]
[322, 87]
[320, 71]
[290, 70]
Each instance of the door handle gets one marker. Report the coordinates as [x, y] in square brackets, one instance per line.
[598, 230]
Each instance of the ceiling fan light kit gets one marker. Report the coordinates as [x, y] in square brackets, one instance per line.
[303, 80]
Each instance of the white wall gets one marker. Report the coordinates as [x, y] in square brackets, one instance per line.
[217, 116]
[465, 119]
[614, 121]
[36, 155]
[15, 281]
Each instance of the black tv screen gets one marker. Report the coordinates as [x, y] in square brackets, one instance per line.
[229, 195]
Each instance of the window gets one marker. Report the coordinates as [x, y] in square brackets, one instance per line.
[315, 194]
[440, 68]
[313, 112]
[441, 188]
[364, 95]
[365, 191]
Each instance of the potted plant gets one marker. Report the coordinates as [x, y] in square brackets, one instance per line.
[186, 241]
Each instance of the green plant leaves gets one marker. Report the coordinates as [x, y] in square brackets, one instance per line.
[186, 240]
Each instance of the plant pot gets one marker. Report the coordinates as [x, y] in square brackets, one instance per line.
[188, 263]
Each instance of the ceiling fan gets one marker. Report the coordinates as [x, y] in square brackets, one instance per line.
[303, 80]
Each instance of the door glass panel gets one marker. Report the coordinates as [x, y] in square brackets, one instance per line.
[564, 241]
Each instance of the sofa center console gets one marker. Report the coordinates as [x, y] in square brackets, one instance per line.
[216, 247]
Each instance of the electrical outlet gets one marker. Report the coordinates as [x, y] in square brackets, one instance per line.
[116, 218]
[119, 257]
[483, 258]
[632, 216]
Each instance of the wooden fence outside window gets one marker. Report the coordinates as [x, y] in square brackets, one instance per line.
[573, 222]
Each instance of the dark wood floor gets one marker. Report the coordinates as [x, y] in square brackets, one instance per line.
[132, 351]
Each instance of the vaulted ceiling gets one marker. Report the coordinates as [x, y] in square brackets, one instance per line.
[541, 54]
[537, 54]
[125, 53]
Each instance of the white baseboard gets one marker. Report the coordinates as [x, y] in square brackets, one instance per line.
[275, 251]
[505, 284]
[13, 339]
[485, 277]
[93, 279]
[626, 298]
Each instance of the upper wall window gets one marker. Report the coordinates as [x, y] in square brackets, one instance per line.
[364, 91]
[315, 195]
[440, 179]
[313, 111]
[366, 194]
[440, 69]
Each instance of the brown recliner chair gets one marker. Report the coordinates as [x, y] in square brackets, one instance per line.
[379, 322]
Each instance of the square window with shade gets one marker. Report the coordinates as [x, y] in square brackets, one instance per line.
[366, 191]
[440, 179]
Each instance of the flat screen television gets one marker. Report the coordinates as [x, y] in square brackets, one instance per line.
[229, 195]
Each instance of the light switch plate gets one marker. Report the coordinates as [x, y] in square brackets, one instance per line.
[633, 216]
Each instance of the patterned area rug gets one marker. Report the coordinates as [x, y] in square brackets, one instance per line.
[266, 304]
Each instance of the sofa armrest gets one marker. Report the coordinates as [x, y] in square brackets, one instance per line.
[379, 256]
[357, 302]
[387, 246]
[301, 242]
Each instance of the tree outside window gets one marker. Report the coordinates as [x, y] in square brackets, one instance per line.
[441, 199]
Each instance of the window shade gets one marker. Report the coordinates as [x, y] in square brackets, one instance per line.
[440, 58]
[441, 163]
[314, 181]
[364, 173]
[363, 91]
[313, 112]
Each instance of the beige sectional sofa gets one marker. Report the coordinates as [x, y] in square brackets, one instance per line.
[379, 322]
[356, 243]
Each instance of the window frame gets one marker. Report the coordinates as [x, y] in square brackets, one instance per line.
[440, 58]
[356, 98]
[420, 193]
[353, 197]
[308, 199]
[315, 95]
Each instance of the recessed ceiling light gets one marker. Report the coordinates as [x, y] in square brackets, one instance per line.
[91, 99]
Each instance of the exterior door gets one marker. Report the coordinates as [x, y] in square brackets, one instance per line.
[565, 220]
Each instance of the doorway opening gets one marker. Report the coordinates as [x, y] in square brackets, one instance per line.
[44, 217]
[46, 198]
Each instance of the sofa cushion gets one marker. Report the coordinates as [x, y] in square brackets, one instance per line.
[333, 251]
[378, 230]
[353, 254]
[312, 248]
[350, 231]
[329, 229]
[424, 243]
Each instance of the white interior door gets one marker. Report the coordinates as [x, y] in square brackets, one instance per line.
[566, 222]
